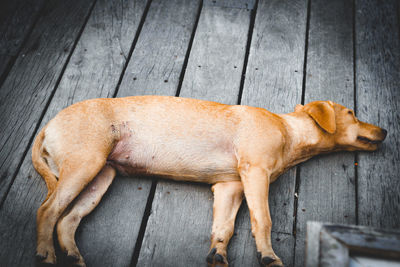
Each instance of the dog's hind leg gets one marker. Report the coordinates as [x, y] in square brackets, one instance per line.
[82, 206]
[75, 173]
[227, 199]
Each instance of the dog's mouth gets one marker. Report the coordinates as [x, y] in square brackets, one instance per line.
[366, 140]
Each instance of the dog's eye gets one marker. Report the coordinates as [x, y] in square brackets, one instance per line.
[352, 114]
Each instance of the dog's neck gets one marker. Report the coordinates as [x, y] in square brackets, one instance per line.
[305, 138]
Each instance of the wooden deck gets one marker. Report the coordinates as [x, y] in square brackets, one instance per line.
[272, 54]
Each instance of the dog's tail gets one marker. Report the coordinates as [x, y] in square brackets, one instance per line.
[41, 165]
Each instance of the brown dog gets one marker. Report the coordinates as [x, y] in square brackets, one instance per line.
[238, 149]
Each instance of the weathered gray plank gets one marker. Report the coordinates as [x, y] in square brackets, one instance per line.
[216, 60]
[311, 256]
[93, 71]
[157, 60]
[274, 81]
[332, 251]
[155, 68]
[247, 4]
[378, 102]
[179, 226]
[178, 229]
[363, 239]
[6, 59]
[327, 184]
[242, 249]
[16, 20]
[29, 85]
[348, 238]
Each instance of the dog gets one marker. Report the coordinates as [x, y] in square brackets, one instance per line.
[238, 149]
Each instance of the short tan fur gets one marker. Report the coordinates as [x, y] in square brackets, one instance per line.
[240, 150]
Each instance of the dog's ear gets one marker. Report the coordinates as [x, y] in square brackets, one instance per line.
[323, 113]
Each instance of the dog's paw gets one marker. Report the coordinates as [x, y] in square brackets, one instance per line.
[74, 258]
[215, 259]
[46, 258]
[79, 263]
[269, 261]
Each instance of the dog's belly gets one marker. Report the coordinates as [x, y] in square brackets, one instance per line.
[179, 157]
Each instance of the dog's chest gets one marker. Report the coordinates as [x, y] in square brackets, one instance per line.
[196, 154]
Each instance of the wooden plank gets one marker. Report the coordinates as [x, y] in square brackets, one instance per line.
[378, 102]
[16, 21]
[179, 227]
[155, 68]
[216, 60]
[274, 81]
[332, 252]
[367, 240]
[29, 85]
[159, 55]
[312, 244]
[327, 183]
[330, 244]
[242, 249]
[6, 60]
[247, 4]
[360, 261]
[93, 71]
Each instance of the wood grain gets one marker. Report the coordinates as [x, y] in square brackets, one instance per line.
[16, 21]
[246, 4]
[93, 71]
[327, 183]
[29, 85]
[41, 40]
[155, 68]
[216, 59]
[157, 61]
[311, 257]
[179, 226]
[331, 244]
[378, 102]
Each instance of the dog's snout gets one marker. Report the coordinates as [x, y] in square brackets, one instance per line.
[384, 133]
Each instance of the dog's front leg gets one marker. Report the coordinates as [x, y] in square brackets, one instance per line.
[255, 181]
[227, 199]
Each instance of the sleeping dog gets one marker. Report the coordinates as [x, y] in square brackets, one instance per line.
[240, 150]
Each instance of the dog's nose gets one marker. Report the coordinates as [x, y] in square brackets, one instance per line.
[384, 132]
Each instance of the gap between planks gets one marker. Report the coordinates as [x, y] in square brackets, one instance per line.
[49, 100]
[147, 213]
[128, 59]
[13, 58]
[149, 203]
[248, 46]
[303, 94]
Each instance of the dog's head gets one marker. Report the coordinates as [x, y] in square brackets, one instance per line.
[341, 125]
